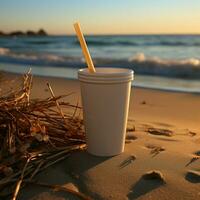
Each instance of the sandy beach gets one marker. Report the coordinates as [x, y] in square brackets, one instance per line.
[161, 158]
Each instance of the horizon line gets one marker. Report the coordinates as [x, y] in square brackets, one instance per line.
[123, 34]
[101, 34]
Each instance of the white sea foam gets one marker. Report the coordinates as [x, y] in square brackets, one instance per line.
[140, 57]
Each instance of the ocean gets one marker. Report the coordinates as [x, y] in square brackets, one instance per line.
[168, 62]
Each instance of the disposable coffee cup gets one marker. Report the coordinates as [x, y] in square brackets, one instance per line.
[105, 100]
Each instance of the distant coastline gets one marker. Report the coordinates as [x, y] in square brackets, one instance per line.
[40, 32]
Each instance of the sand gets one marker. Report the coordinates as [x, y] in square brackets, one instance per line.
[161, 158]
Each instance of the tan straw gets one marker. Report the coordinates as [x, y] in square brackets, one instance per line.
[85, 50]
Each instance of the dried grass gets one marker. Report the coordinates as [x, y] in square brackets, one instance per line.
[34, 134]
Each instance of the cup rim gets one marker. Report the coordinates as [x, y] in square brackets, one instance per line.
[107, 72]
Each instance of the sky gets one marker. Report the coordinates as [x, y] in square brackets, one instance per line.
[102, 16]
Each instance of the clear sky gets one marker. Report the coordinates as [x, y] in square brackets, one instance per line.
[102, 16]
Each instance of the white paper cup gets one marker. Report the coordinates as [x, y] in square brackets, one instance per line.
[105, 99]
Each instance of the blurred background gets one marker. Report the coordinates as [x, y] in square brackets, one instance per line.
[159, 40]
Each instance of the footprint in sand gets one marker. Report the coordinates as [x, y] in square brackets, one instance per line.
[154, 175]
[130, 127]
[193, 176]
[160, 132]
[155, 150]
[129, 134]
[148, 182]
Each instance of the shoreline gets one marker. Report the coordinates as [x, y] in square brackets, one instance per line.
[132, 86]
[73, 77]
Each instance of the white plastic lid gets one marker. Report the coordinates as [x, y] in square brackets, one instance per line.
[106, 75]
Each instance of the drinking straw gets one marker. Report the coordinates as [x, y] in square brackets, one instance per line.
[85, 50]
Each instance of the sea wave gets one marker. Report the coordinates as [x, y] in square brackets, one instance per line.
[108, 43]
[141, 64]
[184, 68]
[8, 56]
[134, 43]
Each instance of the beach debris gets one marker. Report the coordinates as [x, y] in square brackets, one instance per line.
[19, 182]
[154, 175]
[71, 186]
[133, 157]
[155, 150]
[127, 161]
[34, 134]
[193, 159]
[193, 176]
[159, 131]
[143, 102]
[191, 133]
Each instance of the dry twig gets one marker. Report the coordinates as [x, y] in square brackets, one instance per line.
[34, 127]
